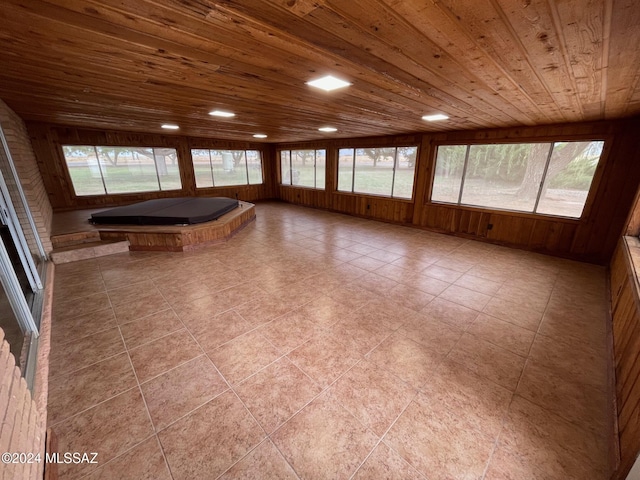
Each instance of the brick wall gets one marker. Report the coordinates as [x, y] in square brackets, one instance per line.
[29, 174]
[22, 423]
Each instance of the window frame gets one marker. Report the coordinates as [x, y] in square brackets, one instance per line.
[100, 169]
[393, 178]
[607, 140]
[246, 164]
[315, 170]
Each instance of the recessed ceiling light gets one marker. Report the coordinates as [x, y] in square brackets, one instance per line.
[328, 129]
[169, 126]
[259, 135]
[328, 83]
[222, 113]
[435, 117]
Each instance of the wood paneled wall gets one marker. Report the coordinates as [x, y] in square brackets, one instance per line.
[47, 143]
[592, 238]
[625, 313]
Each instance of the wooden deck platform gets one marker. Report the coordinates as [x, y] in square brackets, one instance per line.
[163, 238]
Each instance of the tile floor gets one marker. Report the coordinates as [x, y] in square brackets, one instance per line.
[315, 345]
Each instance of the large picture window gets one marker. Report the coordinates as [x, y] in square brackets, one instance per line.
[548, 178]
[224, 168]
[303, 168]
[387, 171]
[96, 170]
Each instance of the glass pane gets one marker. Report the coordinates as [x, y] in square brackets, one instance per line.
[448, 176]
[505, 176]
[569, 178]
[21, 208]
[285, 167]
[303, 168]
[19, 268]
[84, 171]
[374, 171]
[14, 335]
[229, 167]
[128, 169]
[321, 168]
[167, 166]
[254, 163]
[202, 168]
[405, 172]
[345, 169]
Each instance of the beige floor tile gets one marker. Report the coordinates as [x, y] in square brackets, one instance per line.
[129, 293]
[64, 292]
[140, 307]
[85, 351]
[149, 328]
[324, 358]
[377, 284]
[158, 356]
[74, 392]
[372, 395]
[352, 302]
[465, 297]
[430, 285]
[478, 284]
[513, 312]
[528, 297]
[265, 461]
[538, 445]
[503, 334]
[442, 273]
[211, 439]
[65, 330]
[432, 333]
[474, 402]
[73, 308]
[384, 255]
[324, 311]
[109, 429]
[385, 463]
[181, 390]
[409, 297]
[450, 312]
[352, 295]
[576, 402]
[211, 331]
[143, 462]
[275, 393]
[571, 359]
[411, 361]
[218, 302]
[438, 446]
[264, 309]
[324, 441]
[243, 356]
[488, 361]
[588, 326]
[290, 330]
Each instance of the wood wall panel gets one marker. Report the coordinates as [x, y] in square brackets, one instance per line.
[625, 314]
[591, 238]
[47, 142]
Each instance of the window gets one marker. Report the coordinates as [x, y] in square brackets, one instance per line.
[23, 264]
[303, 168]
[387, 171]
[98, 170]
[547, 178]
[224, 168]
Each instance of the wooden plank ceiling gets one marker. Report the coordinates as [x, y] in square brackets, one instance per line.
[136, 64]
